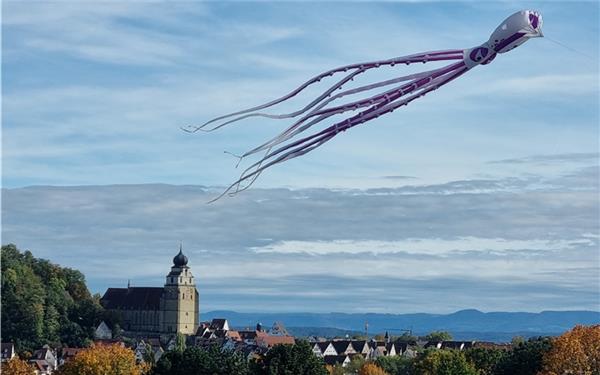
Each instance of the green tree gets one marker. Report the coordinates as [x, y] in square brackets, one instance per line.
[486, 360]
[438, 336]
[443, 362]
[297, 359]
[179, 343]
[395, 365]
[526, 358]
[200, 361]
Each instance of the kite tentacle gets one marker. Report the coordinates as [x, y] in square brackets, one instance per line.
[309, 143]
[323, 114]
[423, 57]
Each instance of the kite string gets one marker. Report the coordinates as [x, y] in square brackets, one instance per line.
[568, 47]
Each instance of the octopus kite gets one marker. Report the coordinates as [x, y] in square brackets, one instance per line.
[296, 140]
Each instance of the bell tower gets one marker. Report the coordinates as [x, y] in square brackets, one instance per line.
[180, 300]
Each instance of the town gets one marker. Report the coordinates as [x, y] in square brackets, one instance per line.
[156, 330]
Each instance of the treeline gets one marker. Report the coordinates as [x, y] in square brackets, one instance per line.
[43, 303]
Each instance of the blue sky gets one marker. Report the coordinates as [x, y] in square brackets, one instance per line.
[94, 94]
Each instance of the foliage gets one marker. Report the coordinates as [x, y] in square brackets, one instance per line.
[43, 303]
[574, 352]
[406, 337]
[443, 362]
[438, 336]
[195, 360]
[395, 365]
[369, 368]
[486, 360]
[148, 355]
[297, 359]
[355, 364]
[335, 370]
[525, 358]
[17, 366]
[102, 360]
[179, 343]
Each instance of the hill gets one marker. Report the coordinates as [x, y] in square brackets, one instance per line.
[464, 324]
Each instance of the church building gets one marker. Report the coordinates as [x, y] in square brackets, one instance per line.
[171, 309]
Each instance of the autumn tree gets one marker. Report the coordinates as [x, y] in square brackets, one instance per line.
[575, 352]
[335, 370]
[102, 360]
[17, 366]
[369, 368]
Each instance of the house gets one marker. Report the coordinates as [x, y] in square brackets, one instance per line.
[361, 347]
[103, 331]
[333, 360]
[382, 349]
[7, 350]
[324, 349]
[219, 324]
[45, 354]
[66, 354]
[41, 367]
[278, 329]
[343, 347]
[454, 345]
[267, 341]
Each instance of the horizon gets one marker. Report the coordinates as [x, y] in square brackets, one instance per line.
[483, 195]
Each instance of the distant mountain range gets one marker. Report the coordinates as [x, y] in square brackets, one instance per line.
[464, 324]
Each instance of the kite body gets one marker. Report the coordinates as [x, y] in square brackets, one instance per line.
[295, 140]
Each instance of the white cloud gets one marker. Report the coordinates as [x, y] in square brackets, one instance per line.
[425, 246]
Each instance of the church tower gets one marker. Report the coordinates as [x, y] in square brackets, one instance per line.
[180, 300]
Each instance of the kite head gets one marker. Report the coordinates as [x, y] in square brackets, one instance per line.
[512, 32]
[516, 30]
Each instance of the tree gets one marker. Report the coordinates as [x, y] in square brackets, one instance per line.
[485, 360]
[289, 360]
[574, 352]
[179, 343]
[102, 360]
[196, 360]
[356, 363]
[526, 358]
[370, 368]
[335, 370]
[17, 366]
[395, 365]
[439, 336]
[443, 362]
[43, 303]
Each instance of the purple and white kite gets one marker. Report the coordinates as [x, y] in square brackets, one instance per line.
[293, 142]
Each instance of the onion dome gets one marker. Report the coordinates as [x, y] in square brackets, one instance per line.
[180, 260]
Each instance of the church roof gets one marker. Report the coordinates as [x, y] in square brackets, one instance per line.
[180, 260]
[136, 298]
